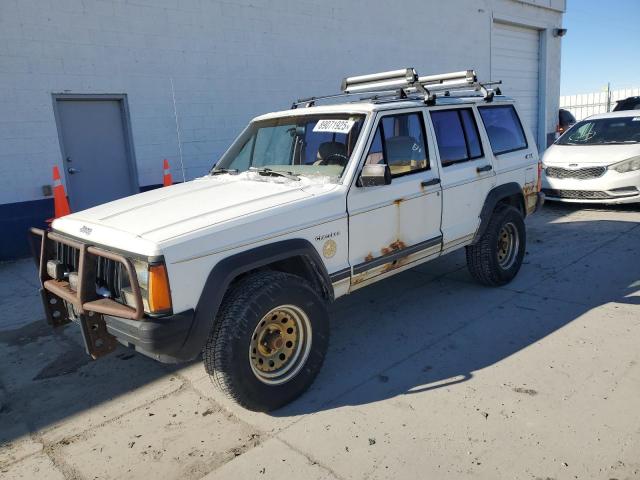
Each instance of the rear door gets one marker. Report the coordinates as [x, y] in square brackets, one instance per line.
[393, 225]
[466, 171]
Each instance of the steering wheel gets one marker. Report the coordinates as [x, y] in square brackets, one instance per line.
[334, 159]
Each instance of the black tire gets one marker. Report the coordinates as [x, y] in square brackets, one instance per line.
[485, 259]
[226, 355]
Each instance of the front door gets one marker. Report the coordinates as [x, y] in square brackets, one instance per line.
[96, 155]
[394, 225]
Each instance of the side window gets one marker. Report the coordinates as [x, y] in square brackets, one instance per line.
[457, 135]
[503, 128]
[375, 155]
[400, 142]
[471, 133]
[322, 147]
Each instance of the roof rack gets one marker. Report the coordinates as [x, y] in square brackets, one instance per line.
[396, 85]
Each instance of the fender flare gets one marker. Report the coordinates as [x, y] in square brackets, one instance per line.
[493, 197]
[225, 271]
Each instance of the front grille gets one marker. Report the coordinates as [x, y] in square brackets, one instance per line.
[110, 275]
[68, 256]
[578, 173]
[576, 194]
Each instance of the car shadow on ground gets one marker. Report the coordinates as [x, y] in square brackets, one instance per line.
[48, 379]
[424, 329]
[397, 342]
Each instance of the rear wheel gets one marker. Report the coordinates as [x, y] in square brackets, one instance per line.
[269, 340]
[497, 256]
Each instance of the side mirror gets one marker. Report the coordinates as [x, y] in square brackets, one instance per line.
[374, 175]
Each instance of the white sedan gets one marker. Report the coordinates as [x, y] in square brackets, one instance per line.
[595, 161]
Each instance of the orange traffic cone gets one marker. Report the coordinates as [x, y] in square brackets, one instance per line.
[61, 205]
[166, 177]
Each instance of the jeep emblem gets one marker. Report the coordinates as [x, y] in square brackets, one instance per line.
[86, 230]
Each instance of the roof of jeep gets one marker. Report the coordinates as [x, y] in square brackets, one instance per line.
[372, 105]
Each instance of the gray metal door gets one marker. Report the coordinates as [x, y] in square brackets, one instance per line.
[96, 154]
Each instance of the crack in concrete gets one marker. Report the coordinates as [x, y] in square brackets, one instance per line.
[310, 459]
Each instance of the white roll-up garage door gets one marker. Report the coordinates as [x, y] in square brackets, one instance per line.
[515, 59]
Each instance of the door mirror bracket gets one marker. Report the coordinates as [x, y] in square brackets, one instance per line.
[374, 175]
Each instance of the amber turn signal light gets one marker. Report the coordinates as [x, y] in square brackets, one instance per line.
[159, 291]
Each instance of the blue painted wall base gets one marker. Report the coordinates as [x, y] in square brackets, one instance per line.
[15, 221]
[17, 218]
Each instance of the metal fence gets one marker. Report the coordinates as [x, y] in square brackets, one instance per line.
[587, 104]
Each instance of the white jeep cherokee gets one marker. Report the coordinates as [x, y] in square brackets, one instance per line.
[307, 205]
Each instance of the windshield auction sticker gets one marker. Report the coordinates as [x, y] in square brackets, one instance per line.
[334, 126]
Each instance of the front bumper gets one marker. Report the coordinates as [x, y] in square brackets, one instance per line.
[603, 201]
[610, 188]
[162, 339]
[105, 322]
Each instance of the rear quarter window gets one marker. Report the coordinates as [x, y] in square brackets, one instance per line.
[503, 128]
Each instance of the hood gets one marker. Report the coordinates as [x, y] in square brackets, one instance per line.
[589, 154]
[165, 213]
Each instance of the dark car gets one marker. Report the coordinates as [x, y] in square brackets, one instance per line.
[631, 103]
[565, 120]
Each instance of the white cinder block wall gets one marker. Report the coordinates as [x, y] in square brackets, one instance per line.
[228, 60]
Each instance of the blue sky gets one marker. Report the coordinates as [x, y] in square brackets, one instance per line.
[602, 45]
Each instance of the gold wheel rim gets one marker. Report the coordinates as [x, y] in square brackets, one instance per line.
[508, 245]
[280, 344]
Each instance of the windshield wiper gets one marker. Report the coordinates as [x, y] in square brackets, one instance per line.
[274, 173]
[219, 171]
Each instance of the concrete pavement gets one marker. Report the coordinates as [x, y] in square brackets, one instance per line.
[428, 376]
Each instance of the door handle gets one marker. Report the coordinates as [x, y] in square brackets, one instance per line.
[486, 168]
[72, 170]
[428, 183]
[528, 156]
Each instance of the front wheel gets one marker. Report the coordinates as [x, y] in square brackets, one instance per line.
[269, 340]
[497, 256]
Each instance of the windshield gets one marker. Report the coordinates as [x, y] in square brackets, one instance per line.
[308, 145]
[603, 131]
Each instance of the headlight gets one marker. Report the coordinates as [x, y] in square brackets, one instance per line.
[154, 287]
[627, 165]
[142, 272]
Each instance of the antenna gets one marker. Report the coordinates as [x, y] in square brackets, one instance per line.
[175, 114]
